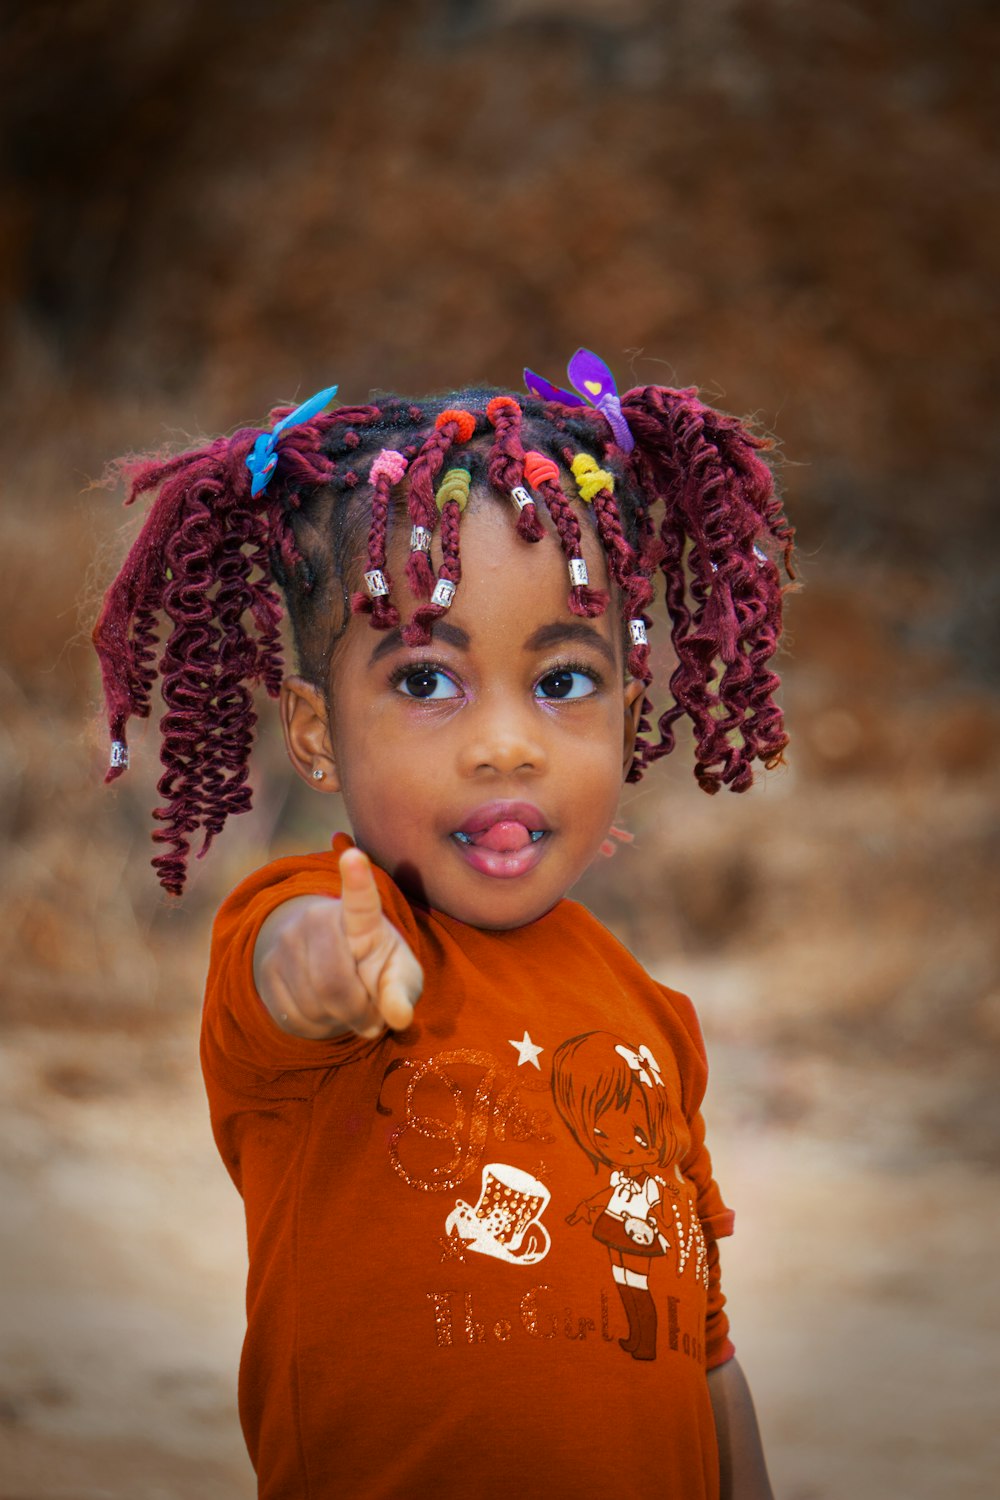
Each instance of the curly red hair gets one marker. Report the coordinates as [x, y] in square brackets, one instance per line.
[693, 504]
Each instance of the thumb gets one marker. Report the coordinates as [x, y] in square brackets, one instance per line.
[399, 986]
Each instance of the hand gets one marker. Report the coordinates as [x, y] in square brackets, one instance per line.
[582, 1214]
[324, 966]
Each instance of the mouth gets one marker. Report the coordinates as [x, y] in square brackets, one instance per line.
[503, 838]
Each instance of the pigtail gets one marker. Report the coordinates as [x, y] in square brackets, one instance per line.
[542, 474]
[723, 596]
[505, 468]
[194, 562]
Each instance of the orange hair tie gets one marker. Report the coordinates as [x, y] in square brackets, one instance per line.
[500, 404]
[538, 468]
[464, 421]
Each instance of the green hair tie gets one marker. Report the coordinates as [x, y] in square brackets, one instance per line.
[454, 486]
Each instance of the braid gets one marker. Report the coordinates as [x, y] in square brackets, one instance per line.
[506, 464]
[387, 470]
[451, 499]
[596, 488]
[543, 476]
[449, 426]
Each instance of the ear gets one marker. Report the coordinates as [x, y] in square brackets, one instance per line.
[306, 728]
[635, 692]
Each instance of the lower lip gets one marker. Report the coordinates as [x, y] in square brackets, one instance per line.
[502, 864]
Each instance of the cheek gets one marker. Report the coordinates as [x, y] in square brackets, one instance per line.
[594, 741]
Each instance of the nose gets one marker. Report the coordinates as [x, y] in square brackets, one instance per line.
[503, 738]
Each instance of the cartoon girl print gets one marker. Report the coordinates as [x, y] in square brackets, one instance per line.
[615, 1103]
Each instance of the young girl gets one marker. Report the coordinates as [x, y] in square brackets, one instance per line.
[417, 1051]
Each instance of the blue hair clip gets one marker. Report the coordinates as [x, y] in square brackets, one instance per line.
[262, 460]
[595, 383]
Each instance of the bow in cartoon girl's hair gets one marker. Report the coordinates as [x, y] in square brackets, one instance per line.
[644, 1063]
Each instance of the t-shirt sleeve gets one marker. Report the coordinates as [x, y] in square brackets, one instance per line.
[243, 1049]
[716, 1218]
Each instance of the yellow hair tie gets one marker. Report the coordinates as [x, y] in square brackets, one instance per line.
[454, 486]
[590, 480]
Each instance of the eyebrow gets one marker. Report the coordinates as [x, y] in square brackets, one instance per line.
[563, 631]
[393, 640]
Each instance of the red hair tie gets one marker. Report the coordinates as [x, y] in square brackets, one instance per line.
[499, 405]
[538, 468]
[464, 421]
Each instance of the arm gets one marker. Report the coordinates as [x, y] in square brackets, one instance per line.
[588, 1210]
[742, 1467]
[324, 967]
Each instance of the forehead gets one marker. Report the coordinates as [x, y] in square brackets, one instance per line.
[634, 1103]
[501, 571]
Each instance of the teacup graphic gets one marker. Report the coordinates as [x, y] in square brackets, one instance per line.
[506, 1222]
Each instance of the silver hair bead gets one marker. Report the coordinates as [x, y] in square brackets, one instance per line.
[637, 633]
[520, 496]
[119, 755]
[375, 583]
[444, 593]
[578, 571]
[420, 539]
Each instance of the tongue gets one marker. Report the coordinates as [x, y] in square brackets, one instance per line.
[504, 838]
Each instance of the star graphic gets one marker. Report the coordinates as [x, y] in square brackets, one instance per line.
[527, 1052]
[453, 1247]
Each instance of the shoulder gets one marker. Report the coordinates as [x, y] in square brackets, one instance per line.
[253, 900]
[318, 871]
[689, 1046]
[676, 1012]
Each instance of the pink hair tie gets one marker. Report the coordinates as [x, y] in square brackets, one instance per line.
[538, 468]
[390, 464]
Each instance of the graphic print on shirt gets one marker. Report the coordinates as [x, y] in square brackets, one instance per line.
[507, 1220]
[455, 1108]
[613, 1099]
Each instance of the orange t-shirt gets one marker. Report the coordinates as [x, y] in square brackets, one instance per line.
[482, 1251]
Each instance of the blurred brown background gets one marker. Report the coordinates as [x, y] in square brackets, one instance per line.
[208, 208]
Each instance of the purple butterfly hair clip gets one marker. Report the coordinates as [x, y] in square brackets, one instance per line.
[262, 459]
[595, 383]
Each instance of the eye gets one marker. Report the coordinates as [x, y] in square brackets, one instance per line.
[640, 1139]
[427, 683]
[566, 682]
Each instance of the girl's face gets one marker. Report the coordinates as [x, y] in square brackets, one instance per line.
[482, 771]
[624, 1137]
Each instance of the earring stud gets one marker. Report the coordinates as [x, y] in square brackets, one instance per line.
[318, 774]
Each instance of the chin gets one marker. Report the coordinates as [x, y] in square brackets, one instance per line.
[500, 916]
